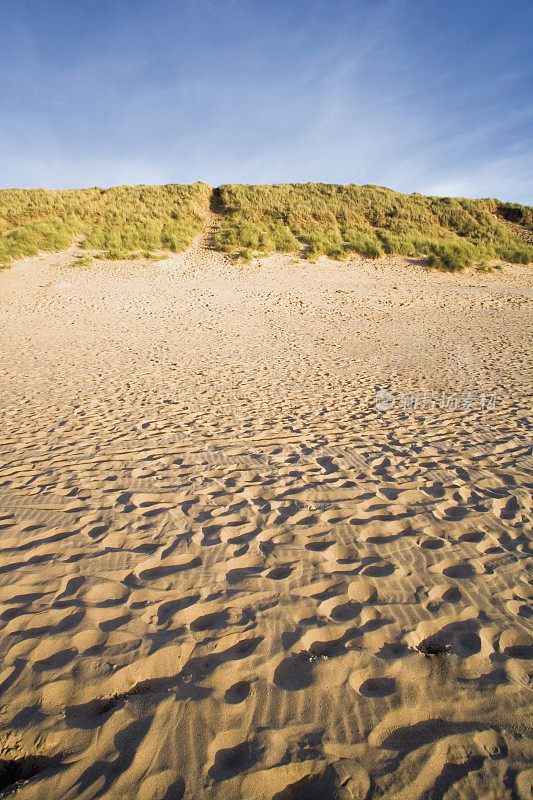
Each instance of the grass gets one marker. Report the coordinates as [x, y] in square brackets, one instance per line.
[489, 268]
[118, 255]
[244, 256]
[82, 261]
[314, 219]
[119, 220]
[335, 220]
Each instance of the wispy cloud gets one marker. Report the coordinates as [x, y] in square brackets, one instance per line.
[387, 92]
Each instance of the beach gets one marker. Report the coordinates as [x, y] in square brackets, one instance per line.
[265, 529]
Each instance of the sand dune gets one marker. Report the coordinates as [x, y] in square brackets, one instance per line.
[224, 572]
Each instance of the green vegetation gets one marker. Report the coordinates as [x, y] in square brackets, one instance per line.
[119, 220]
[117, 255]
[313, 218]
[244, 256]
[338, 220]
[82, 261]
[53, 234]
[489, 268]
[514, 212]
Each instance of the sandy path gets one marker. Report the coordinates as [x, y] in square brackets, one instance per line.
[224, 572]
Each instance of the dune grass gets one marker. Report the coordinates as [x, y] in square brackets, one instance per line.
[314, 218]
[82, 261]
[119, 220]
[334, 220]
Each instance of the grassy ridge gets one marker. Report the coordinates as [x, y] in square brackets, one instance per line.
[119, 220]
[370, 220]
[325, 218]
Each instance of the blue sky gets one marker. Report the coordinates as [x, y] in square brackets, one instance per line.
[420, 95]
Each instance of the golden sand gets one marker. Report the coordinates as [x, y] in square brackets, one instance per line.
[224, 572]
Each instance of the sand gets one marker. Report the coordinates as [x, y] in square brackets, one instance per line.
[224, 572]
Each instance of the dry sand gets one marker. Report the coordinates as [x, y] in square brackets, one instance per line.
[224, 573]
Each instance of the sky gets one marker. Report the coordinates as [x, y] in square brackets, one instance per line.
[434, 96]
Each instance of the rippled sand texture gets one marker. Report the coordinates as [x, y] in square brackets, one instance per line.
[223, 572]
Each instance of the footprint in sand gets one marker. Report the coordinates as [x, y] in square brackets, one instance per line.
[381, 570]
[231, 761]
[376, 687]
[295, 672]
[237, 693]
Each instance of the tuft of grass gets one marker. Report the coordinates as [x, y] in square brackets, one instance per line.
[244, 256]
[82, 261]
[114, 255]
[451, 257]
[517, 253]
[365, 244]
[489, 268]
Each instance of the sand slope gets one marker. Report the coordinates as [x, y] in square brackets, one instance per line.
[224, 573]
